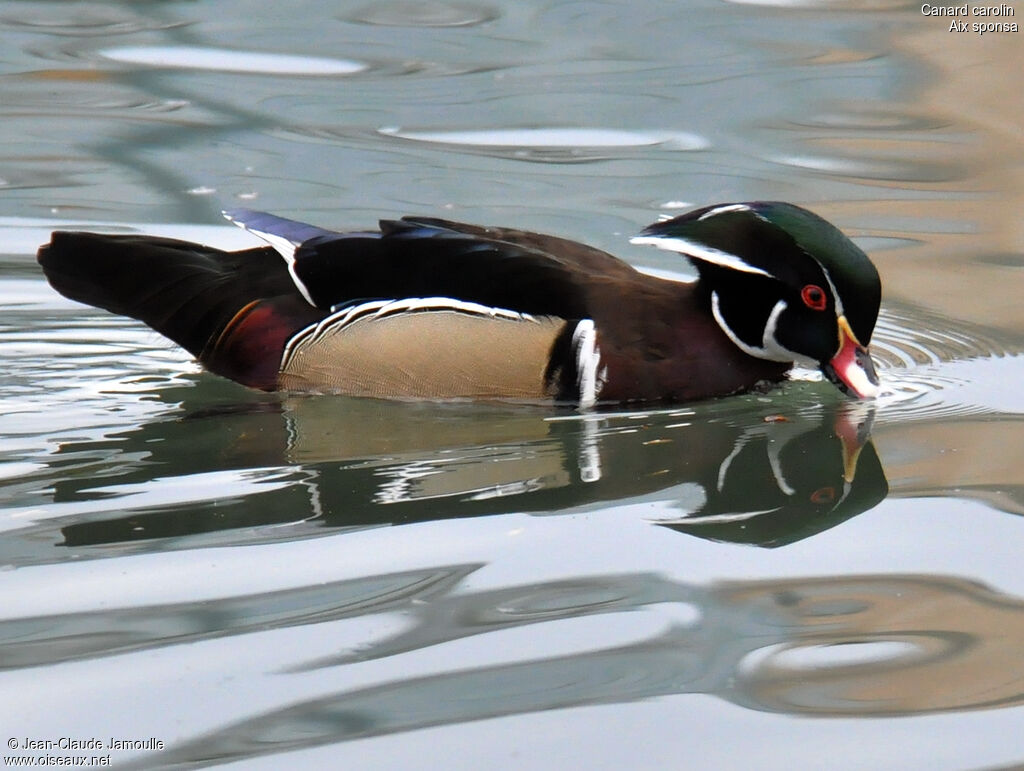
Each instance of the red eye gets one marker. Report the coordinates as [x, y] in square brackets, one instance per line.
[813, 297]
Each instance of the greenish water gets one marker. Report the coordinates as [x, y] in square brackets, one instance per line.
[273, 581]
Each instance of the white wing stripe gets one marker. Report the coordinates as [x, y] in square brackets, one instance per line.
[284, 247]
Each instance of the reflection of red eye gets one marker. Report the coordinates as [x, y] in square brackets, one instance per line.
[823, 495]
[813, 297]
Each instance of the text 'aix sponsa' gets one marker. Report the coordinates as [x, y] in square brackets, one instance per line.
[431, 309]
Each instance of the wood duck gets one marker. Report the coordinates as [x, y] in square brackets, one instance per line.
[431, 309]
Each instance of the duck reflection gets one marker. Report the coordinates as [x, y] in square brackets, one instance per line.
[784, 481]
[732, 475]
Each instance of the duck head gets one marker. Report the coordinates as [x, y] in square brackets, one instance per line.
[783, 284]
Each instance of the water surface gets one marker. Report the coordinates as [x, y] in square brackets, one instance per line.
[774, 580]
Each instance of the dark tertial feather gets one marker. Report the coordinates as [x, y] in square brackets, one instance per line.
[577, 256]
[428, 262]
[424, 257]
[261, 222]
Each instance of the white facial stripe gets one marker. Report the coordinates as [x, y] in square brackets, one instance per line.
[723, 468]
[775, 462]
[701, 252]
[588, 359]
[726, 208]
[717, 313]
[835, 294]
[771, 349]
[778, 351]
[723, 210]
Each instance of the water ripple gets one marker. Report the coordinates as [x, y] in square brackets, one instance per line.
[910, 338]
[423, 13]
[552, 144]
[224, 60]
[86, 22]
[883, 169]
[872, 119]
[935, 367]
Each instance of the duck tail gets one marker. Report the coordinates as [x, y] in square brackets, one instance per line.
[234, 311]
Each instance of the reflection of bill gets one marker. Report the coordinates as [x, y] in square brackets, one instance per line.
[786, 481]
[805, 473]
[748, 479]
[729, 474]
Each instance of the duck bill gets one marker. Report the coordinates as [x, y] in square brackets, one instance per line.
[851, 369]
